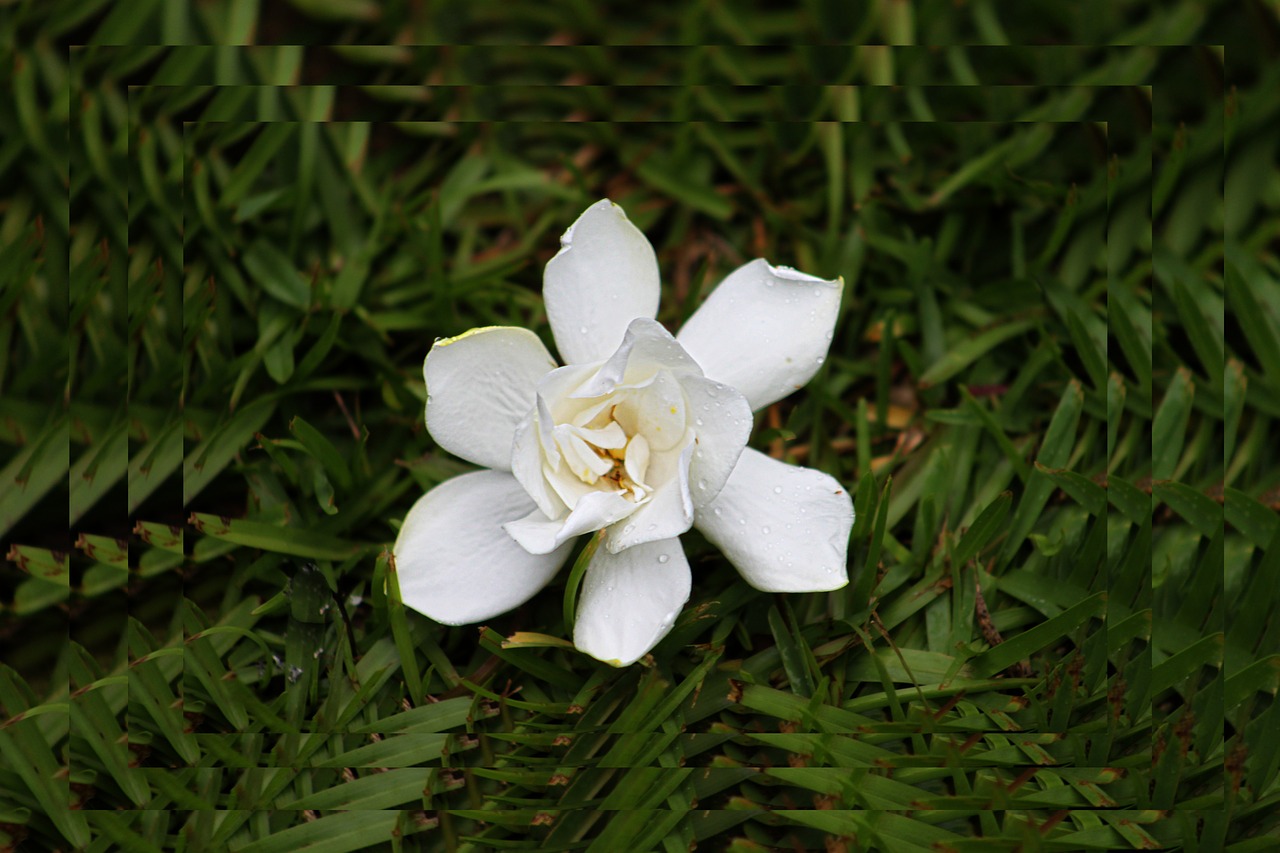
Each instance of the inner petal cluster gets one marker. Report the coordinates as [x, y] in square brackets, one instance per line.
[631, 445]
[617, 442]
[600, 452]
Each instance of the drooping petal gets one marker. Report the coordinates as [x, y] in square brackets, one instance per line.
[646, 348]
[538, 534]
[721, 419]
[668, 512]
[480, 385]
[454, 561]
[604, 276]
[630, 600]
[784, 527]
[765, 330]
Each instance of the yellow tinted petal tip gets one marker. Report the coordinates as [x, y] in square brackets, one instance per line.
[444, 342]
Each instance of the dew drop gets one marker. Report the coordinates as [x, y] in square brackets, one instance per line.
[698, 421]
[662, 558]
[630, 528]
[582, 330]
[702, 484]
[765, 531]
[742, 521]
[777, 490]
[819, 360]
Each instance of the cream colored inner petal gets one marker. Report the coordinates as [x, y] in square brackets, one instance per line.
[608, 437]
[658, 412]
[570, 489]
[596, 415]
[586, 462]
[636, 462]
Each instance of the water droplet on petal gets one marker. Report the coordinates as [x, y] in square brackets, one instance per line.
[698, 421]
[716, 510]
[777, 490]
[582, 330]
[702, 484]
[742, 521]
[819, 360]
[662, 558]
[765, 530]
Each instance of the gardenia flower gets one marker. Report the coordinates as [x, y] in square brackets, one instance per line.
[640, 435]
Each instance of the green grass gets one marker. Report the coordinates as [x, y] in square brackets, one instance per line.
[222, 268]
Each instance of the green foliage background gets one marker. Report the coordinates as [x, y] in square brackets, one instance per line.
[1055, 379]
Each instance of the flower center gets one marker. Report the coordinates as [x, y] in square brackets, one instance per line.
[600, 453]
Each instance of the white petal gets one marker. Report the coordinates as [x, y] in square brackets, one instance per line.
[455, 563]
[784, 527]
[538, 534]
[604, 276]
[480, 385]
[629, 601]
[765, 330]
[534, 445]
[646, 349]
[721, 419]
[528, 466]
[668, 513]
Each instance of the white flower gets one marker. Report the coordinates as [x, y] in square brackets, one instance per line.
[641, 435]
